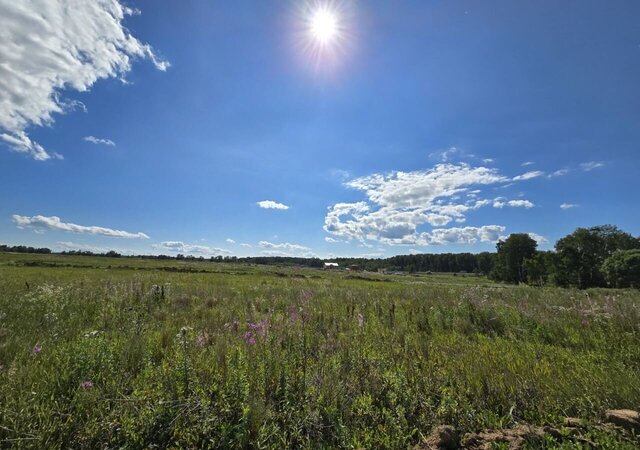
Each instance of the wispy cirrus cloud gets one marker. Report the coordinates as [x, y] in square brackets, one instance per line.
[41, 223]
[568, 206]
[529, 175]
[591, 165]
[270, 204]
[49, 46]
[98, 141]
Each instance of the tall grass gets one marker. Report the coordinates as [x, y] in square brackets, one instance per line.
[297, 359]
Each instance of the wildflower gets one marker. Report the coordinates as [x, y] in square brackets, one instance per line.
[360, 320]
[36, 349]
[249, 338]
[585, 322]
[201, 340]
[307, 294]
[88, 384]
[259, 328]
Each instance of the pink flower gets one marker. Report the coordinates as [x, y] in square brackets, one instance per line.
[88, 384]
[259, 328]
[201, 340]
[36, 349]
[249, 338]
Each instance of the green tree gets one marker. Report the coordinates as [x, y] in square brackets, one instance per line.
[511, 256]
[582, 254]
[540, 268]
[622, 269]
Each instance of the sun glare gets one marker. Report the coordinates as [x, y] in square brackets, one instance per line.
[324, 32]
[323, 26]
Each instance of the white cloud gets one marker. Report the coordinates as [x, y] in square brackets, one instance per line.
[527, 163]
[529, 175]
[245, 245]
[182, 247]
[284, 246]
[539, 239]
[270, 204]
[340, 173]
[72, 246]
[230, 241]
[54, 223]
[286, 249]
[48, 46]
[401, 202]
[568, 206]
[501, 202]
[590, 165]
[558, 173]
[98, 141]
[21, 143]
[331, 240]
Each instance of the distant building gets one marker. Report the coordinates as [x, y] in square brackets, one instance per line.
[331, 265]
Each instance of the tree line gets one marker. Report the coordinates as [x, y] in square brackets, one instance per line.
[601, 256]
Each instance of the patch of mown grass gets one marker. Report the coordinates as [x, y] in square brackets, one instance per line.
[315, 360]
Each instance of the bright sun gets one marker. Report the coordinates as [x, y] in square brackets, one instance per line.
[323, 26]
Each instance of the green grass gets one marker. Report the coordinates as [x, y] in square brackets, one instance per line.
[377, 361]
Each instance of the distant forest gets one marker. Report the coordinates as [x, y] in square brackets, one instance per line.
[601, 256]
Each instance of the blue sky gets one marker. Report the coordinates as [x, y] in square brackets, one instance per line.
[409, 131]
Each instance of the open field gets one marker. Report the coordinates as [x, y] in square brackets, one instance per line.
[126, 353]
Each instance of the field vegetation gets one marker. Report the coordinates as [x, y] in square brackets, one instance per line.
[127, 353]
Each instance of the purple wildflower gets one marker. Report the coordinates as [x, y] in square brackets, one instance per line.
[36, 349]
[201, 340]
[88, 384]
[259, 328]
[249, 338]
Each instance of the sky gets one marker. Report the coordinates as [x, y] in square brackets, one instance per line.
[316, 128]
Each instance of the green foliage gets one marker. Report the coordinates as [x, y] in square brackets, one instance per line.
[141, 354]
[582, 254]
[512, 253]
[622, 269]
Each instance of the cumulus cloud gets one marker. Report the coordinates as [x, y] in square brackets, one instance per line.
[41, 223]
[539, 239]
[230, 241]
[501, 203]
[401, 202]
[590, 165]
[568, 206]
[98, 141]
[270, 204]
[529, 175]
[285, 249]
[245, 245]
[284, 246]
[49, 46]
[72, 246]
[182, 247]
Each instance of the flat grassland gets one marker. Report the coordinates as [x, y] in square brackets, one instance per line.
[127, 353]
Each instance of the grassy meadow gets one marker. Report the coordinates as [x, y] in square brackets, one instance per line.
[125, 353]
